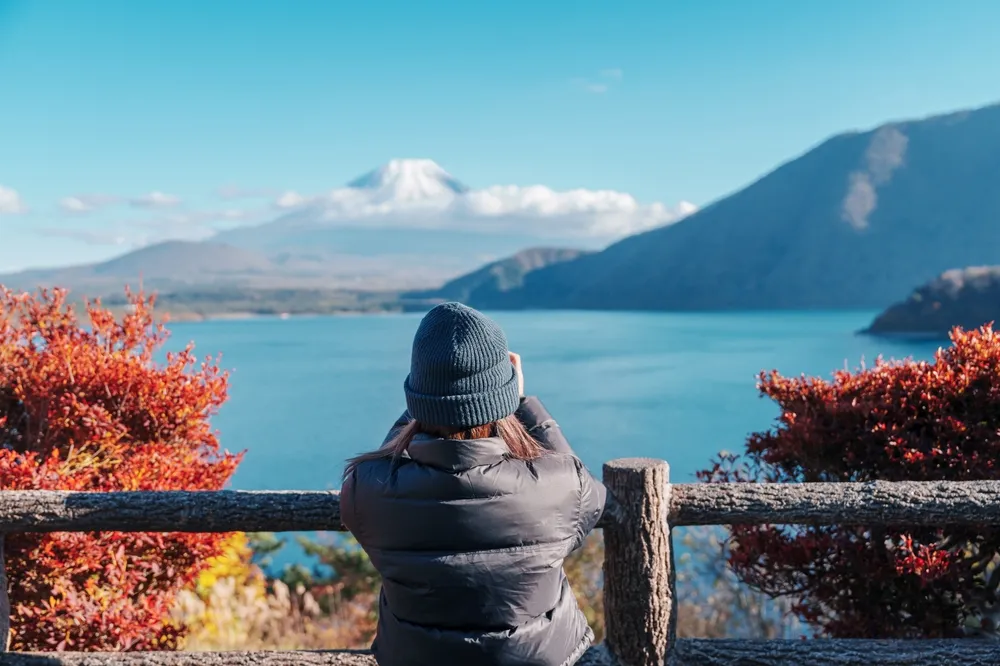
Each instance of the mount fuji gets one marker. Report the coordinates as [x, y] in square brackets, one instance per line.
[408, 180]
[410, 223]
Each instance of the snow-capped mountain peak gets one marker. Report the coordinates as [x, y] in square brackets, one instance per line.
[408, 180]
[419, 194]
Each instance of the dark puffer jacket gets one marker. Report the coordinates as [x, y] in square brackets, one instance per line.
[470, 545]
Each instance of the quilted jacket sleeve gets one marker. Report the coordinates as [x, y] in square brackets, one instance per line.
[542, 426]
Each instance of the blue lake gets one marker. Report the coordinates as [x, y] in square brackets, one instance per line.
[307, 393]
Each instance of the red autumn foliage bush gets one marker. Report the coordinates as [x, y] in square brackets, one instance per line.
[84, 406]
[896, 421]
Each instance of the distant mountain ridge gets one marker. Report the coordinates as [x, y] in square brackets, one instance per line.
[488, 286]
[853, 223]
[164, 265]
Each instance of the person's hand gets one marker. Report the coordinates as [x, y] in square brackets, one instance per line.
[516, 360]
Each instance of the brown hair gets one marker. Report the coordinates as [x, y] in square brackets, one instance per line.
[520, 444]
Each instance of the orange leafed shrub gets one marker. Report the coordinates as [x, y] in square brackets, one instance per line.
[84, 406]
[896, 421]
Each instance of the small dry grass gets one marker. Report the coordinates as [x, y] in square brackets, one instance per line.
[251, 617]
[237, 608]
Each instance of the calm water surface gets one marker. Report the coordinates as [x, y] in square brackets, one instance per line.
[307, 393]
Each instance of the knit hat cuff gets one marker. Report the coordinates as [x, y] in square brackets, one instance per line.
[464, 411]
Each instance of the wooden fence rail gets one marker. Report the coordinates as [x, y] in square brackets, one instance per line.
[686, 652]
[875, 503]
[639, 581]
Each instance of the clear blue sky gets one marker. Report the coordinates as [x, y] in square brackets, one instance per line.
[699, 96]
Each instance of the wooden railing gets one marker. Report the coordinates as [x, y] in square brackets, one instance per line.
[639, 574]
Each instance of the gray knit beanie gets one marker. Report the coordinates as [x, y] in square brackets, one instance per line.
[460, 371]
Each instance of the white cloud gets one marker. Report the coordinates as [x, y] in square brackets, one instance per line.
[192, 218]
[591, 87]
[86, 203]
[155, 199]
[291, 199]
[603, 213]
[885, 154]
[137, 232]
[74, 205]
[231, 214]
[231, 192]
[535, 210]
[603, 83]
[88, 236]
[11, 202]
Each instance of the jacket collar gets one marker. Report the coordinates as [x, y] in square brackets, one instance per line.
[456, 455]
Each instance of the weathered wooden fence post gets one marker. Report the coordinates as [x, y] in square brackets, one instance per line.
[638, 567]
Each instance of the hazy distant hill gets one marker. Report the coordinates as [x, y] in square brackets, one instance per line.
[488, 286]
[179, 264]
[185, 260]
[162, 265]
[967, 297]
[853, 223]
